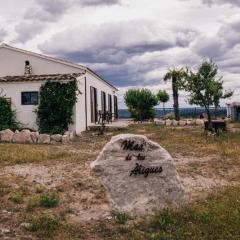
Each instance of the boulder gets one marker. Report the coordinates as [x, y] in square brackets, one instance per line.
[54, 142]
[71, 136]
[67, 133]
[139, 175]
[34, 136]
[26, 131]
[199, 122]
[56, 137]
[22, 137]
[190, 122]
[182, 123]
[6, 135]
[65, 139]
[44, 139]
[160, 122]
[168, 122]
[175, 123]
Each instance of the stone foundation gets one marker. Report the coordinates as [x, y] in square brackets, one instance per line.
[27, 137]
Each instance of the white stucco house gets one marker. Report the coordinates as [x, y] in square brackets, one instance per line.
[23, 72]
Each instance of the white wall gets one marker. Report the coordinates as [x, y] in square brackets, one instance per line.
[100, 86]
[25, 113]
[13, 64]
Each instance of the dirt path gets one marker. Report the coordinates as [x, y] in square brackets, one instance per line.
[81, 191]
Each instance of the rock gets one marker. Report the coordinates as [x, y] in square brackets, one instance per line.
[190, 122]
[182, 123]
[175, 123]
[5, 230]
[199, 122]
[160, 122]
[168, 122]
[65, 139]
[26, 225]
[34, 136]
[26, 131]
[44, 139]
[56, 137]
[67, 133]
[6, 135]
[54, 142]
[16, 131]
[139, 175]
[22, 137]
[71, 136]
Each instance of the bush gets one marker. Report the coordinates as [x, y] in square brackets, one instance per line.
[55, 111]
[140, 103]
[48, 201]
[7, 116]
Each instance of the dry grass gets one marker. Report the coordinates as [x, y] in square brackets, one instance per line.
[67, 178]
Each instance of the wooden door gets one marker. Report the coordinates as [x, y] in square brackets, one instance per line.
[116, 107]
[94, 104]
[110, 103]
[103, 101]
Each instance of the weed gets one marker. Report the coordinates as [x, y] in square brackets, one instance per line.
[33, 203]
[39, 188]
[121, 218]
[49, 201]
[44, 225]
[16, 197]
[4, 189]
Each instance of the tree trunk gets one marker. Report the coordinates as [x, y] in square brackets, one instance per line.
[175, 99]
[209, 119]
[164, 113]
[215, 111]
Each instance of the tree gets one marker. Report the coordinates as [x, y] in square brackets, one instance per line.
[176, 76]
[140, 103]
[163, 97]
[7, 115]
[205, 88]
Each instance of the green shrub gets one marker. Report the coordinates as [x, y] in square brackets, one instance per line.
[141, 103]
[7, 115]
[48, 201]
[55, 111]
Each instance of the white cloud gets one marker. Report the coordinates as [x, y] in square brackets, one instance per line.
[130, 43]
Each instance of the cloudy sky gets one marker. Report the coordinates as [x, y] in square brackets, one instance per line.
[131, 43]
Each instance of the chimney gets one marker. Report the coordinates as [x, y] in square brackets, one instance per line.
[28, 68]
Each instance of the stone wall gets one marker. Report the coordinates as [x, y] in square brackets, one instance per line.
[28, 137]
[188, 122]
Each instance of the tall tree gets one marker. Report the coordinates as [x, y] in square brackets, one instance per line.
[163, 97]
[176, 76]
[205, 88]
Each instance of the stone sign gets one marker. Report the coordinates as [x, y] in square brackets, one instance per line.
[139, 175]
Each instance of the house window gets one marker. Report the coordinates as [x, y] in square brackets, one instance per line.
[29, 98]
